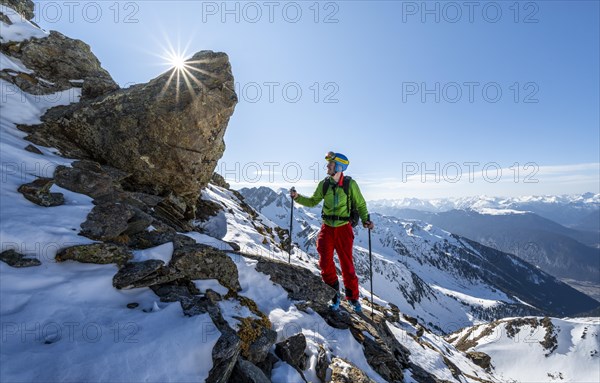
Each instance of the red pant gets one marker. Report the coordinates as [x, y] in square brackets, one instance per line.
[341, 240]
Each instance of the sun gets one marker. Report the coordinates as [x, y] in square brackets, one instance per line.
[184, 74]
[177, 61]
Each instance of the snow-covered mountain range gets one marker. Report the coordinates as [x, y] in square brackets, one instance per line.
[568, 210]
[560, 235]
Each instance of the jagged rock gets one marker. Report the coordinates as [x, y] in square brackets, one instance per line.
[323, 363]
[89, 178]
[174, 211]
[38, 193]
[225, 355]
[259, 349]
[23, 7]
[267, 365]
[169, 140]
[291, 351]
[382, 350]
[219, 180]
[343, 371]
[550, 341]
[205, 262]
[481, 359]
[246, 372]
[143, 274]
[100, 253]
[33, 149]
[14, 259]
[59, 59]
[108, 221]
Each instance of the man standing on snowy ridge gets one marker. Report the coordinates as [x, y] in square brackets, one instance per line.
[342, 201]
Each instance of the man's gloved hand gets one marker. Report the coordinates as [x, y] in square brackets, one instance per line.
[293, 193]
[369, 225]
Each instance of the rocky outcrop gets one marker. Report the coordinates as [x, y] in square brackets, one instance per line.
[219, 180]
[59, 60]
[167, 137]
[55, 63]
[481, 359]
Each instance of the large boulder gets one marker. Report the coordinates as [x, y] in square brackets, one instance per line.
[167, 133]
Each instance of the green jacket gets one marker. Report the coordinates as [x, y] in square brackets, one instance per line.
[336, 201]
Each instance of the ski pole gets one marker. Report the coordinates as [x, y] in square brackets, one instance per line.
[293, 189]
[371, 267]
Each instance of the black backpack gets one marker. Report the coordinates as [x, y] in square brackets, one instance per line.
[354, 216]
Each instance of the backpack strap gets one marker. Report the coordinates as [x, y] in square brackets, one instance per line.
[325, 186]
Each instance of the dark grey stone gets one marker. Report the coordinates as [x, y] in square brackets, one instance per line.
[14, 259]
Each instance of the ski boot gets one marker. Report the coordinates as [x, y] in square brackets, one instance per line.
[356, 306]
[335, 302]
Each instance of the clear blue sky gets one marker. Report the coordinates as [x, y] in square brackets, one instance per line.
[407, 90]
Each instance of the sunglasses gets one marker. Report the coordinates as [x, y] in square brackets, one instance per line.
[330, 156]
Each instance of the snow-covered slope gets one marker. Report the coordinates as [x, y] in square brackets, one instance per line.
[444, 280]
[535, 349]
